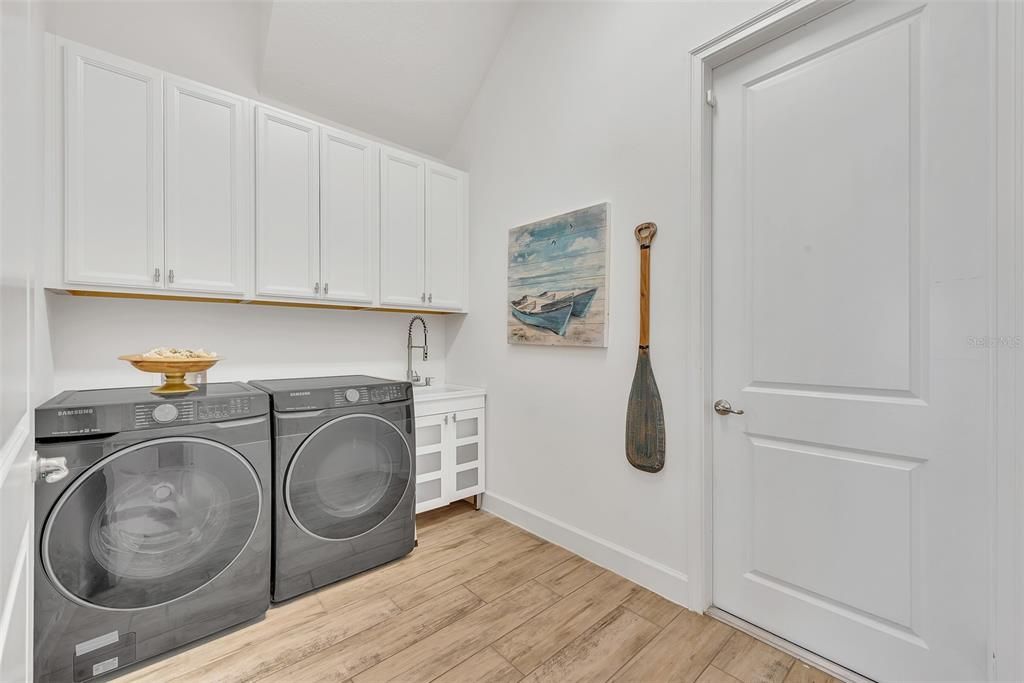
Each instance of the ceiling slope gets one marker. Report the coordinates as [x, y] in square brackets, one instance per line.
[403, 71]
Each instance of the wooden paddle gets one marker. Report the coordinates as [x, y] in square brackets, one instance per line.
[645, 421]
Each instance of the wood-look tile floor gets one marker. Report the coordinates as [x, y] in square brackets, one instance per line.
[482, 600]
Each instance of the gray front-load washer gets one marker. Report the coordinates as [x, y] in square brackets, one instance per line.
[344, 472]
[152, 523]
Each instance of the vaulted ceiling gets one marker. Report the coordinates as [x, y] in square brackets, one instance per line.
[406, 71]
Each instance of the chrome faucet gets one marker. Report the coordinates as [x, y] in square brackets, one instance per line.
[410, 374]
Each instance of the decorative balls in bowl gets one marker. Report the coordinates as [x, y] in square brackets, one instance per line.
[173, 363]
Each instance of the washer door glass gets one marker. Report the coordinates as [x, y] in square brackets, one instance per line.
[151, 523]
[347, 476]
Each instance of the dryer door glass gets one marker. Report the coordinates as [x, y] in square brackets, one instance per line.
[151, 523]
[348, 476]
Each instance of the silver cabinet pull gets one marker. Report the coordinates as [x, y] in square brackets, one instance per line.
[325, 288]
[423, 296]
[723, 407]
[156, 275]
[430, 297]
[455, 416]
[316, 287]
[170, 276]
[446, 419]
[52, 470]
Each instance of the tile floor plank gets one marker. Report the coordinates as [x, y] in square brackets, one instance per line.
[801, 672]
[545, 634]
[486, 666]
[420, 560]
[370, 647]
[680, 653]
[442, 579]
[752, 661]
[653, 607]
[495, 583]
[570, 575]
[599, 652]
[453, 644]
[714, 675]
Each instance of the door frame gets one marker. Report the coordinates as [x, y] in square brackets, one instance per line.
[1006, 309]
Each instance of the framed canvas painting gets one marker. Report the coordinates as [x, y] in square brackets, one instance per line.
[558, 280]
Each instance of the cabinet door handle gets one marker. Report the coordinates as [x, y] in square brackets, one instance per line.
[446, 419]
[423, 296]
[156, 275]
[430, 297]
[316, 287]
[325, 288]
[170, 276]
[455, 416]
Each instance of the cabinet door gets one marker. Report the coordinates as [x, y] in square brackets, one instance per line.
[114, 173]
[431, 446]
[401, 229]
[287, 205]
[446, 238]
[467, 453]
[208, 189]
[349, 217]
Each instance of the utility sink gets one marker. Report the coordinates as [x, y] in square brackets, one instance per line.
[438, 391]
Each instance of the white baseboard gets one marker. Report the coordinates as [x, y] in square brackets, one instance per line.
[650, 574]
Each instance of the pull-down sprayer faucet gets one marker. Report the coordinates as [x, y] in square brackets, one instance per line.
[410, 374]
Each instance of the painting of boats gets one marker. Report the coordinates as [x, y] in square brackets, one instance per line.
[557, 280]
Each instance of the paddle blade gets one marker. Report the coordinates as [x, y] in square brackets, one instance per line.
[645, 421]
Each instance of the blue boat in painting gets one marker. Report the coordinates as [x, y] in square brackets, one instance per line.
[548, 315]
[581, 299]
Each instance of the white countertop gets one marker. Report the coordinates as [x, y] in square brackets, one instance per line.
[439, 392]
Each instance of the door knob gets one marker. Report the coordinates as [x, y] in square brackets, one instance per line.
[723, 407]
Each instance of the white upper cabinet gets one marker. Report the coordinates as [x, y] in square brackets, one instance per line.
[349, 217]
[287, 205]
[208, 189]
[114, 171]
[446, 243]
[401, 229]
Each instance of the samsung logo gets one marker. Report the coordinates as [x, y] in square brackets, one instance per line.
[75, 411]
[299, 393]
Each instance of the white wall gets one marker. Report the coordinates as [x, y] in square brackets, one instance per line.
[585, 102]
[219, 43]
[256, 342]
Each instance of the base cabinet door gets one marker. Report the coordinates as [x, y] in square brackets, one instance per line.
[287, 205]
[446, 246]
[401, 229]
[208, 189]
[113, 171]
[349, 217]
[467, 453]
[430, 457]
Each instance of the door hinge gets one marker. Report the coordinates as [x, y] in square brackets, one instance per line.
[709, 97]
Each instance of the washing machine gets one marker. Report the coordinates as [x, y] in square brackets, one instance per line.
[344, 467]
[152, 523]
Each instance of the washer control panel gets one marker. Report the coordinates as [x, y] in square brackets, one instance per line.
[380, 393]
[185, 411]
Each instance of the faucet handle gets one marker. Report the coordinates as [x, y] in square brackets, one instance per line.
[428, 381]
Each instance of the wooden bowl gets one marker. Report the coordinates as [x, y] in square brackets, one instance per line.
[173, 370]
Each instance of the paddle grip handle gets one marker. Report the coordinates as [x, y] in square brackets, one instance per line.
[645, 235]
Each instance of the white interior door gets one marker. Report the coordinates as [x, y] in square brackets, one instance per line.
[20, 214]
[114, 170]
[287, 205]
[851, 270]
[208, 188]
[349, 217]
[402, 281]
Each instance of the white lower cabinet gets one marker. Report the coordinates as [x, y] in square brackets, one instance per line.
[449, 454]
